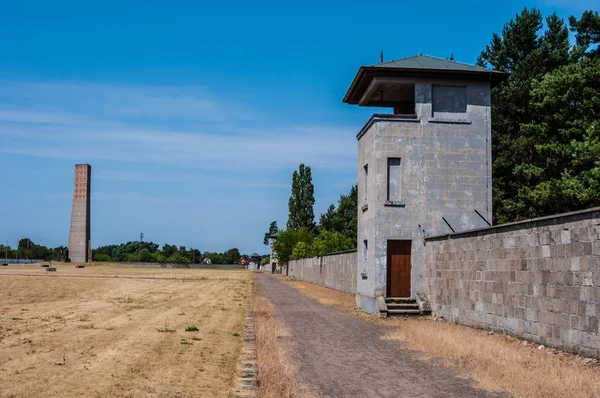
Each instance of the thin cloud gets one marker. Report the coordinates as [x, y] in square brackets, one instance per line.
[73, 130]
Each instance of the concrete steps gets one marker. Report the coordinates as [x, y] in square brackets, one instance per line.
[402, 306]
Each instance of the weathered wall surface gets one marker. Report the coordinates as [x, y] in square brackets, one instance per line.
[335, 271]
[445, 173]
[537, 279]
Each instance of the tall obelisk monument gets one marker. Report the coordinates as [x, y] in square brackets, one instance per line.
[79, 237]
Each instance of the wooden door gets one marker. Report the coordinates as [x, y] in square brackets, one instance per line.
[273, 268]
[398, 268]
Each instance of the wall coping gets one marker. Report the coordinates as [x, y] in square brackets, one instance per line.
[385, 118]
[328, 254]
[497, 228]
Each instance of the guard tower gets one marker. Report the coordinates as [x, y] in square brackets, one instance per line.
[423, 169]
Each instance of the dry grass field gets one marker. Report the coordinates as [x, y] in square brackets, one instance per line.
[115, 331]
[496, 362]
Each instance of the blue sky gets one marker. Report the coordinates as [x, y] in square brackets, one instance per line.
[194, 115]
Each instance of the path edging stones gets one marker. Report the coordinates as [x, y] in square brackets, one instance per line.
[247, 383]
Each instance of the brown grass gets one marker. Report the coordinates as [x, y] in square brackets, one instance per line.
[496, 362]
[275, 371]
[113, 331]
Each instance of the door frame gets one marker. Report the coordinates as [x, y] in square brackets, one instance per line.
[388, 287]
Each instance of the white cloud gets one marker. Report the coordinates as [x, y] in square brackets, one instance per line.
[86, 121]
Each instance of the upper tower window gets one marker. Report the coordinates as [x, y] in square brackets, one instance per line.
[448, 99]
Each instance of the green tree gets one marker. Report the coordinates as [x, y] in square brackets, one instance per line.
[302, 200]
[521, 50]
[231, 256]
[587, 30]
[145, 256]
[265, 260]
[344, 219]
[273, 229]
[287, 240]
[565, 175]
[331, 242]
[169, 250]
[177, 258]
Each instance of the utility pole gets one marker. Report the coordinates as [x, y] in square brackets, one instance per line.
[6, 252]
[142, 236]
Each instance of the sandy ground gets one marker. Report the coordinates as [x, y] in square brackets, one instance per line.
[114, 331]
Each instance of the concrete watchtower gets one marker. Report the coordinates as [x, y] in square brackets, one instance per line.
[424, 169]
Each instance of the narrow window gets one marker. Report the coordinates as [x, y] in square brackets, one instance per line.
[366, 180]
[394, 180]
[365, 252]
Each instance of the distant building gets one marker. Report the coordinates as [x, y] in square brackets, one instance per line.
[423, 169]
[254, 261]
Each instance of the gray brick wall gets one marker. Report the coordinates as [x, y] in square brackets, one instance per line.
[537, 279]
[337, 271]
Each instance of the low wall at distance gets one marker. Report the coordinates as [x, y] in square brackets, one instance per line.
[537, 279]
[335, 271]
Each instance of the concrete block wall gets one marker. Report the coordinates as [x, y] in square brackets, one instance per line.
[538, 279]
[335, 271]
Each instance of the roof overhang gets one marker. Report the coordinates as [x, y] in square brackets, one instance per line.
[366, 79]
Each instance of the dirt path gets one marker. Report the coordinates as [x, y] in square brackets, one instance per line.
[344, 356]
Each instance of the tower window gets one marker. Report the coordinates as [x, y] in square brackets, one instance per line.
[394, 181]
[448, 99]
[366, 181]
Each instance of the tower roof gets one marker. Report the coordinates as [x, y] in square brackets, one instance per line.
[427, 62]
[420, 66]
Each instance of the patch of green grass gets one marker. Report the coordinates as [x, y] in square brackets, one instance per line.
[192, 328]
[196, 338]
[185, 342]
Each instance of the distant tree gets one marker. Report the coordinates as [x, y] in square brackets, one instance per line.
[231, 256]
[157, 257]
[144, 255]
[169, 250]
[302, 200]
[344, 219]
[272, 231]
[331, 242]
[131, 258]
[177, 258]
[265, 260]
[288, 239]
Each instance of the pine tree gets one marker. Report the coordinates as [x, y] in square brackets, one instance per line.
[515, 120]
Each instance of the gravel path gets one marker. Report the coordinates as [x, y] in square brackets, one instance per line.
[344, 356]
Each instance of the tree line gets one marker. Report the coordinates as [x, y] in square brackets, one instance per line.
[28, 249]
[150, 252]
[546, 117]
[136, 251]
[302, 237]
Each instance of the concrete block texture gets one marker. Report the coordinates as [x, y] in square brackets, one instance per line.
[548, 296]
[79, 236]
[444, 173]
[336, 271]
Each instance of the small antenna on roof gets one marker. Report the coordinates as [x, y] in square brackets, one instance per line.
[381, 57]
[452, 57]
